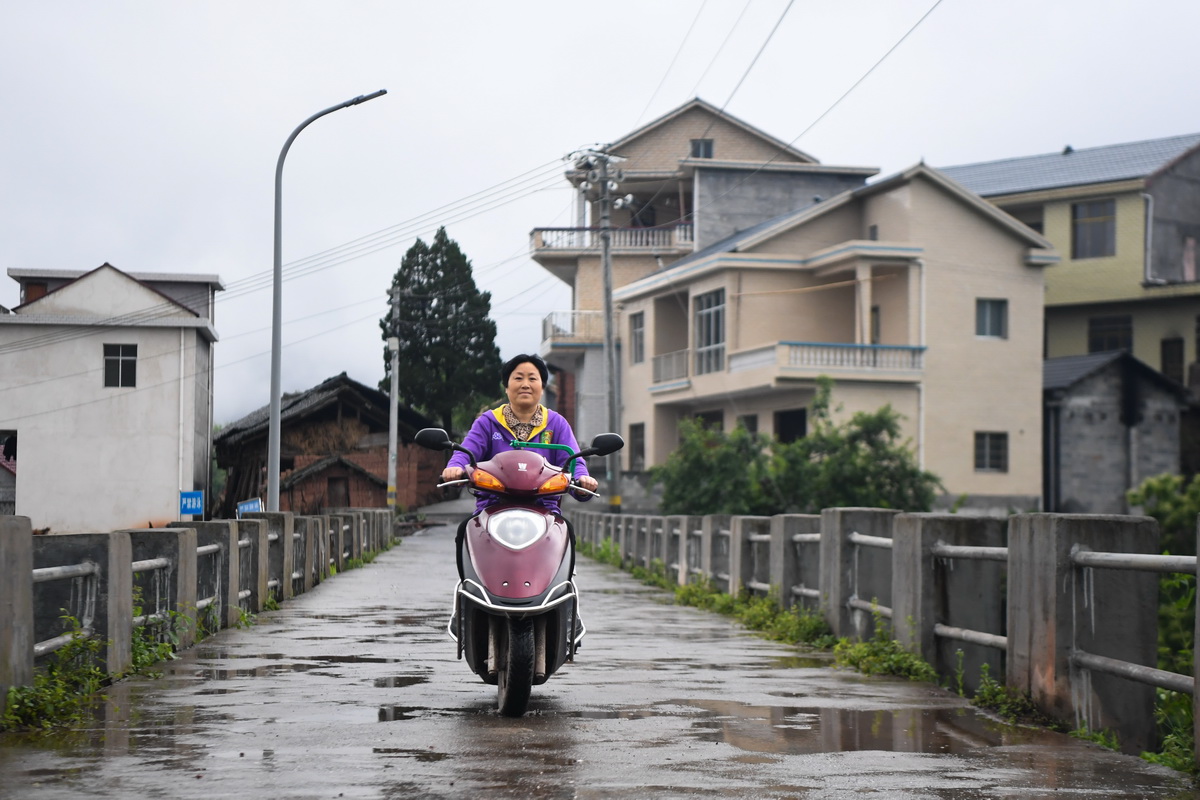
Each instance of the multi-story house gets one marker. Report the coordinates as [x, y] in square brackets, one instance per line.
[106, 389]
[1126, 219]
[910, 291]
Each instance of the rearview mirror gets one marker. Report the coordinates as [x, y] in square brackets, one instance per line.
[607, 443]
[434, 439]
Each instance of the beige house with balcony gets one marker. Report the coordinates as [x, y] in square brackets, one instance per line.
[768, 270]
[911, 292]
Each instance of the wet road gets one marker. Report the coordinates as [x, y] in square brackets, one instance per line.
[353, 691]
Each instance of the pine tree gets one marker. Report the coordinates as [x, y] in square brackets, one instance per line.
[448, 356]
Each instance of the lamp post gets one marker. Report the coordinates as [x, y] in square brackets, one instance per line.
[277, 303]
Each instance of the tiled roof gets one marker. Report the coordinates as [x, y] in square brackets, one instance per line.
[299, 404]
[1116, 162]
[1059, 374]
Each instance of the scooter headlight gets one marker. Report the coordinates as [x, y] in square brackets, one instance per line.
[517, 528]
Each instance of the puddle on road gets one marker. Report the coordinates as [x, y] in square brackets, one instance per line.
[419, 755]
[396, 713]
[775, 730]
[399, 681]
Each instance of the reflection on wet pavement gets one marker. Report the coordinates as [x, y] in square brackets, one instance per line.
[338, 695]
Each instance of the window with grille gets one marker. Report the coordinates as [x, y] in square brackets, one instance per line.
[1110, 333]
[120, 365]
[991, 452]
[991, 318]
[710, 332]
[1094, 229]
[637, 338]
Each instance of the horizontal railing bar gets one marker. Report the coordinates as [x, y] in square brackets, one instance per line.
[806, 538]
[244, 593]
[151, 564]
[297, 576]
[208, 549]
[804, 591]
[725, 533]
[273, 584]
[296, 536]
[1171, 681]
[973, 637]
[58, 642]
[43, 574]
[272, 537]
[205, 603]
[146, 619]
[1145, 562]
[759, 586]
[970, 552]
[874, 608]
[243, 543]
[863, 540]
[759, 537]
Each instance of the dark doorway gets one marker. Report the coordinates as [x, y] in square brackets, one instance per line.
[791, 425]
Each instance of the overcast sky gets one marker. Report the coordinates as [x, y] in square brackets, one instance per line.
[145, 133]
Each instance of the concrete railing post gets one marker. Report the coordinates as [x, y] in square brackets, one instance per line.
[839, 579]
[177, 582]
[16, 605]
[113, 608]
[788, 569]
[253, 561]
[923, 586]
[305, 527]
[279, 550]
[224, 534]
[1056, 609]
[741, 550]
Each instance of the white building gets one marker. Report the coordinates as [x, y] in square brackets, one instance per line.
[106, 383]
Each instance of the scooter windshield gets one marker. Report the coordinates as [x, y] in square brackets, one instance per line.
[517, 528]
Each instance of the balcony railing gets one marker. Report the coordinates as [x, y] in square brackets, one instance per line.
[670, 366]
[573, 327]
[854, 356]
[676, 236]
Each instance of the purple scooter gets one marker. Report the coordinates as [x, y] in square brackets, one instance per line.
[516, 608]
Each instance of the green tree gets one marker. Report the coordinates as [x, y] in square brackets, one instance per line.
[448, 357]
[860, 462]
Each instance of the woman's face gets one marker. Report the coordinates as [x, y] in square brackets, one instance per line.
[524, 386]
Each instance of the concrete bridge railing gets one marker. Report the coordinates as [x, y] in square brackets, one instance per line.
[194, 577]
[1065, 607]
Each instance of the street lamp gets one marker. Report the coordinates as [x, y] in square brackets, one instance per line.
[277, 304]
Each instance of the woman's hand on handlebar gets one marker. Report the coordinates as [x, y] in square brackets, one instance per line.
[587, 482]
[453, 473]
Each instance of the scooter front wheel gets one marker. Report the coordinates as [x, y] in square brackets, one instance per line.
[515, 679]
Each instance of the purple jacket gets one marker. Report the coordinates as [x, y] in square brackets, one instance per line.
[490, 435]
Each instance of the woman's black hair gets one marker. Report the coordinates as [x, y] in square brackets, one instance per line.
[515, 361]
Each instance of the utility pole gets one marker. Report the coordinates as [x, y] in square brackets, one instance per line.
[393, 344]
[605, 180]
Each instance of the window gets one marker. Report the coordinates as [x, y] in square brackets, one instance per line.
[1094, 229]
[120, 365]
[991, 452]
[637, 338]
[702, 148]
[749, 422]
[876, 336]
[791, 425]
[1110, 333]
[637, 446]
[710, 332]
[1172, 358]
[991, 318]
[713, 420]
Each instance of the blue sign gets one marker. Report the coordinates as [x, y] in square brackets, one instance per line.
[191, 503]
[249, 506]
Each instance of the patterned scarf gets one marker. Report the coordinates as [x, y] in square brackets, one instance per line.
[522, 430]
